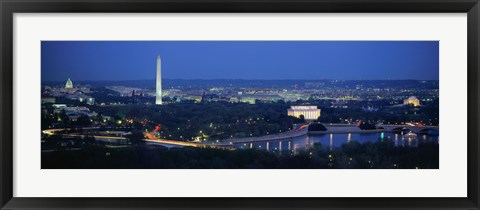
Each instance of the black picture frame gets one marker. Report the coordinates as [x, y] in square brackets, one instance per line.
[9, 7]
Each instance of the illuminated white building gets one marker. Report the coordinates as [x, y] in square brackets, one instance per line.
[69, 84]
[308, 112]
[412, 100]
[158, 93]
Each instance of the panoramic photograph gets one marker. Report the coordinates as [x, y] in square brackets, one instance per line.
[239, 105]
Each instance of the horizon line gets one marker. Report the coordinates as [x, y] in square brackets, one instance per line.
[251, 79]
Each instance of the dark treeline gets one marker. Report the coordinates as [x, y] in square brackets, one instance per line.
[222, 120]
[353, 155]
[428, 113]
[211, 121]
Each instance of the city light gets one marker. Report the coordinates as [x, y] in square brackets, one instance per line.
[349, 117]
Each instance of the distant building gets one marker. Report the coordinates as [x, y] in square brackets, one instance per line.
[252, 98]
[59, 106]
[308, 112]
[73, 113]
[411, 100]
[370, 109]
[126, 91]
[340, 104]
[90, 101]
[234, 100]
[196, 98]
[46, 100]
[82, 98]
[314, 84]
[293, 95]
[69, 84]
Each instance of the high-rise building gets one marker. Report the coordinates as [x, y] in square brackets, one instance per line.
[308, 112]
[158, 93]
[69, 84]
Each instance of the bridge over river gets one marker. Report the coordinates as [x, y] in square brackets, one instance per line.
[331, 129]
[299, 131]
[415, 128]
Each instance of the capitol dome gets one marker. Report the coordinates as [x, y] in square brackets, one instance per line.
[69, 84]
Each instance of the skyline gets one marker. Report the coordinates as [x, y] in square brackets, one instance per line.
[240, 60]
[272, 80]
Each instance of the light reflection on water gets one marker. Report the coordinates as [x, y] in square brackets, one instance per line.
[335, 140]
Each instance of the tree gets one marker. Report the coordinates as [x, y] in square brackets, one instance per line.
[88, 139]
[367, 126]
[136, 137]
[83, 121]
[302, 118]
[316, 127]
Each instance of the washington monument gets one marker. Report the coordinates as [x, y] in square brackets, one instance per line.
[158, 93]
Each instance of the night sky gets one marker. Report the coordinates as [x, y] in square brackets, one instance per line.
[273, 60]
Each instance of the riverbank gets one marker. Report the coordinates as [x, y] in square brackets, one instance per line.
[342, 129]
[351, 156]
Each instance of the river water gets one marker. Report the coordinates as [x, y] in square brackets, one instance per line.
[335, 140]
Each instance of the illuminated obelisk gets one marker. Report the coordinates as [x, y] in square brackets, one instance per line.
[158, 93]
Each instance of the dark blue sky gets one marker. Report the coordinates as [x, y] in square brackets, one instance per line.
[136, 60]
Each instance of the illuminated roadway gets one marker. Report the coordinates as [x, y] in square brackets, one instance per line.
[53, 131]
[174, 142]
[160, 141]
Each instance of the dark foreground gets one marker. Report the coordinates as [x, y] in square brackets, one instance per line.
[353, 155]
